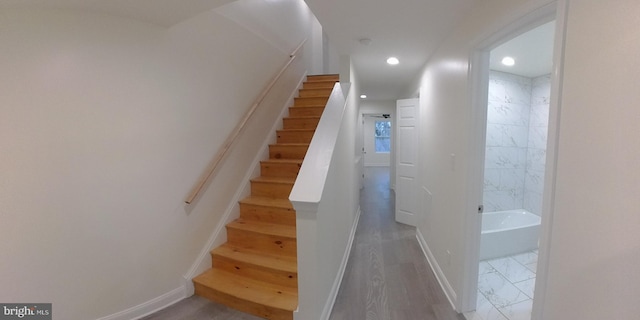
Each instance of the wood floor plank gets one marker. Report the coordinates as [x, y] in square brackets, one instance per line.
[397, 271]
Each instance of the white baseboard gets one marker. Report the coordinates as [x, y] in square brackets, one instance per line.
[326, 311]
[150, 306]
[442, 279]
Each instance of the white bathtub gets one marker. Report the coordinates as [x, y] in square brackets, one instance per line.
[506, 233]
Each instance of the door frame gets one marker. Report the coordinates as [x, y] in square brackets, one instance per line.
[479, 83]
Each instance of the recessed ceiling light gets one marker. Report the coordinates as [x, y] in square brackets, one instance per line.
[393, 61]
[363, 96]
[508, 61]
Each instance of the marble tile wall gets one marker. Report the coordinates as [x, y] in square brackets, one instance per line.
[516, 141]
[537, 147]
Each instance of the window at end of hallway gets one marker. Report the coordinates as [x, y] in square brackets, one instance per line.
[383, 136]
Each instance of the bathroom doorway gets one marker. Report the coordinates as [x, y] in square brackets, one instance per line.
[518, 100]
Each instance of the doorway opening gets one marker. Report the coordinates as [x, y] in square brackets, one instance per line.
[377, 131]
[518, 102]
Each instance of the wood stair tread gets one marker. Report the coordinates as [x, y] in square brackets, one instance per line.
[303, 106]
[296, 130]
[282, 161]
[303, 117]
[284, 180]
[268, 202]
[271, 295]
[294, 144]
[261, 258]
[323, 77]
[273, 229]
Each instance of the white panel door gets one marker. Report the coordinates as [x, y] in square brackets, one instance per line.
[406, 161]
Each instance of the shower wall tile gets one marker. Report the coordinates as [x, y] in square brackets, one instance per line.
[517, 126]
[538, 137]
[510, 88]
[511, 179]
[534, 180]
[541, 90]
[507, 141]
[537, 144]
[515, 136]
[498, 200]
[533, 202]
[508, 113]
[536, 159]
[539, 115]
[492, 179]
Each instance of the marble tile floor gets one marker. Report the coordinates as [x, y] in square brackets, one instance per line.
[505, 288]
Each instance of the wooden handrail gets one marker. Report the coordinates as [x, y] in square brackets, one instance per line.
[222, 153]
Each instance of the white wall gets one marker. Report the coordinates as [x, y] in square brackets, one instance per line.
[445, 138]
[595, 243]
[593, 236]
[106, 125]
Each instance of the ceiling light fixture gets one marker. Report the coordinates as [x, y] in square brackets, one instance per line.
[363, 96]
[508, 61]
[393, 61]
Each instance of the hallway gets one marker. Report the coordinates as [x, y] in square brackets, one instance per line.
[387, 276]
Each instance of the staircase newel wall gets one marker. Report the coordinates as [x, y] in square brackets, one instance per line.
[325, 198]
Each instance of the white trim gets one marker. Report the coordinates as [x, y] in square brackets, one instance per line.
[219, 234]
[149, 307]
[433, 263]
[328, 307]
[551, 161]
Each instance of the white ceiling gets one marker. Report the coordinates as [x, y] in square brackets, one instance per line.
[532, 51]
[409, 29]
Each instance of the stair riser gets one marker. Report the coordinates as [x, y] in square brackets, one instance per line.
[323, 77]
[300, 123]
[319, 85]
[287, 152]
[323, 92]
[268, 214]
[278, 277]
[303, 102]
[295, 136]
[262, 242]
[306, 111]
[270, 189]
[242, 305]
[285, 170]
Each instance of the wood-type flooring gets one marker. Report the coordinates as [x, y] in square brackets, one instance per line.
[387, 276]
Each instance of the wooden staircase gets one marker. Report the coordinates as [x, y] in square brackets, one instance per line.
[256, 271]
